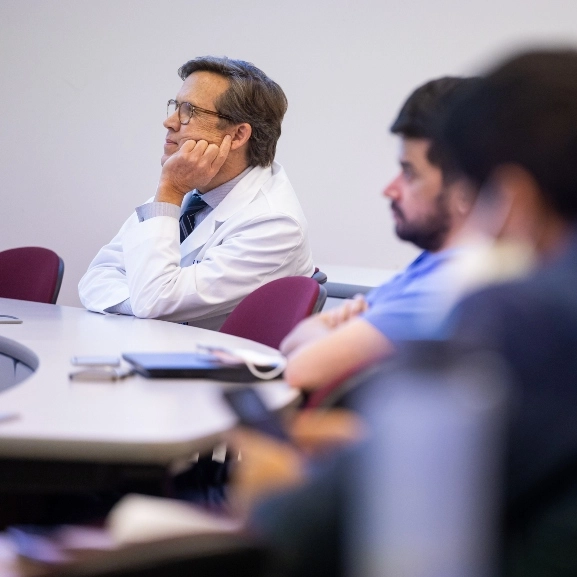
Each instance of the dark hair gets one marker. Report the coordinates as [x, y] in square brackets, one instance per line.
[524, 112]
[422, 116]
[252, 97]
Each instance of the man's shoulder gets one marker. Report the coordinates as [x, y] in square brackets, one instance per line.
[278, 187]
[528, 306]
[421, 272]
[275, 196]
[549, 285]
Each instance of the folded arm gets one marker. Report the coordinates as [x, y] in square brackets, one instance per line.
[322, 324]
[159, 287]
[104, 284]
[342, 351]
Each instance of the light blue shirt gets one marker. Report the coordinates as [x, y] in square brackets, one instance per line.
[414, 303]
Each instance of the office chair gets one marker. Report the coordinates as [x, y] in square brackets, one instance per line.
[266, 316]
[319, 276]
[31, 273]
[269, 313]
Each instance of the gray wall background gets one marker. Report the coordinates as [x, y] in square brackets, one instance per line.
[83, 87]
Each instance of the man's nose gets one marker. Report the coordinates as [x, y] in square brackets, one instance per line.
[393, 189]
[172, 121]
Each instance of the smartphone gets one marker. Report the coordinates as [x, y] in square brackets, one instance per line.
[253, 413]
[95, 361]
[100, 374]
[9, 320]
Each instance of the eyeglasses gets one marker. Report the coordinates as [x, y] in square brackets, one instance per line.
[186, 110]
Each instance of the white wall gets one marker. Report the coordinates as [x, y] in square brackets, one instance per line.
[83, 87]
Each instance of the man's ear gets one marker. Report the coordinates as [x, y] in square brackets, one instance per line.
[464, 195]
[240, 135]
[520, 200]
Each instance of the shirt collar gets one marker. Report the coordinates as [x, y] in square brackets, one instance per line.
[215, 196]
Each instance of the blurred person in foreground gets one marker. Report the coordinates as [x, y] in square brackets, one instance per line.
[430, 202]
[515, 136]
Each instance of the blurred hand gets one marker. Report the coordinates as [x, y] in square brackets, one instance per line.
[265, 466]
[320, 325]
[318, 432]
[268, 466]
[348, 310]
[306, 331]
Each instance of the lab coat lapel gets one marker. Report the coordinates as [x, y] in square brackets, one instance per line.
[237, 199]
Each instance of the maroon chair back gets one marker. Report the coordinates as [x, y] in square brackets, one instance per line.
[269, 313]
[30, 273]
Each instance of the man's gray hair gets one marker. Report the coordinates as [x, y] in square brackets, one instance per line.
[252, 97]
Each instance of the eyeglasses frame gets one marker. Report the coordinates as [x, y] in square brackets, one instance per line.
[194, 108]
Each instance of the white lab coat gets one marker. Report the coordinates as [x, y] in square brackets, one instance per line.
[258, 233]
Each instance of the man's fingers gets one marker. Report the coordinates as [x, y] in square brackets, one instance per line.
[226, 144]
[349, 309]
[210, 154]
[223, 151]
[188, 146]
[200, 148]
[194, 165]
[359, 298]
[358, 305]
[345, 311]
[331, 317]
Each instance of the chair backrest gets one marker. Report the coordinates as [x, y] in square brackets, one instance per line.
[269, 313]
[30, 273]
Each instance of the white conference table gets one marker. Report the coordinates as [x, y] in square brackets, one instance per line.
[135, 420]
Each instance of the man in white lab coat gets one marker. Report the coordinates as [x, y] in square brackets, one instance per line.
[225, 219]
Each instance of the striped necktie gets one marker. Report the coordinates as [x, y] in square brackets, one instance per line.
[195, 204]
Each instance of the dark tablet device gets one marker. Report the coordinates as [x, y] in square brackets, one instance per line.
[187, 366]
[253, 413]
